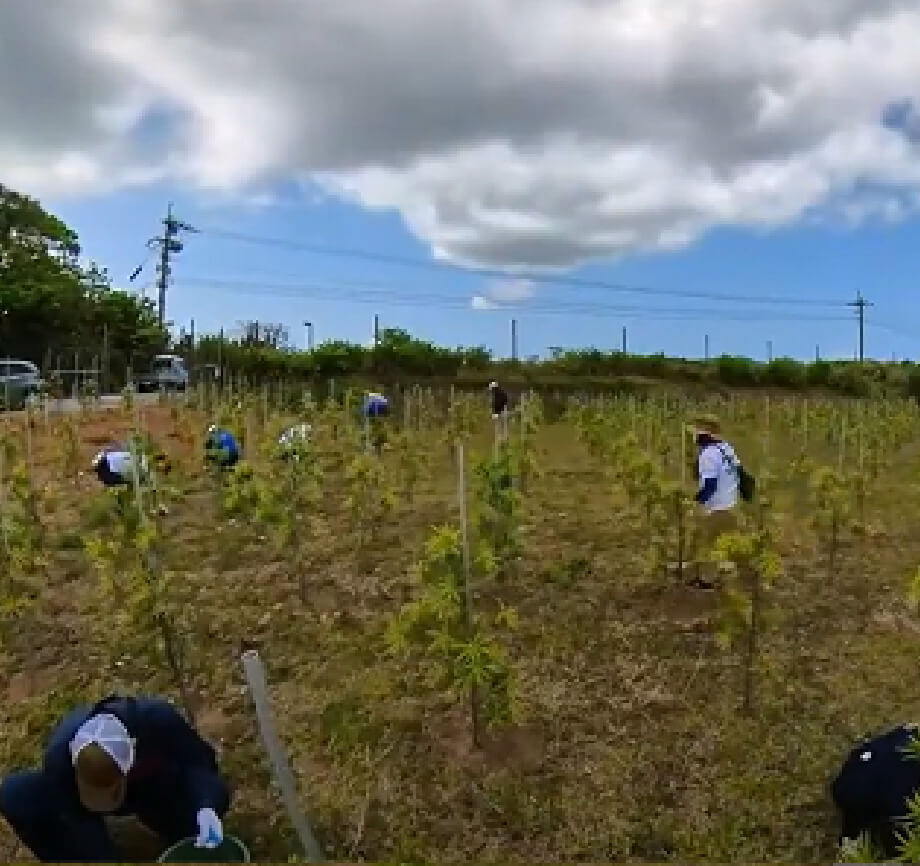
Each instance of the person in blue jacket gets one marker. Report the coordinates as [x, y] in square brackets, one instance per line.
[123, 756]
[221, 447]
[376, 408]
[376, 405]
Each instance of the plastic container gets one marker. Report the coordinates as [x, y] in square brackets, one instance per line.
[231, 850]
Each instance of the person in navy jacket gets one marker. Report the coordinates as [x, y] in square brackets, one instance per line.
[123, 756]
[376, 405]
[874, 787]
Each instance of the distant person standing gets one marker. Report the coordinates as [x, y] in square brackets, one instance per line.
[720, 486]
[376, 408]
[499, 399]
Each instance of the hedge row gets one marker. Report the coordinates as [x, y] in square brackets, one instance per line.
[400, 358]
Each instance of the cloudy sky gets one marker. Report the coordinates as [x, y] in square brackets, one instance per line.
[721, 150]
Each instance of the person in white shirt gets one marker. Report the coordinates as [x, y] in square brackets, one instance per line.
[719, 475]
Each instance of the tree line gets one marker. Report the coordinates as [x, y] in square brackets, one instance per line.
[56, 312]
[398, 357]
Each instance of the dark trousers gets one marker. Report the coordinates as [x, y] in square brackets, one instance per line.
[53, 833]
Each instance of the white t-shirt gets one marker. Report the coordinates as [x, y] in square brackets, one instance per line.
[720, 462]
[120, 463]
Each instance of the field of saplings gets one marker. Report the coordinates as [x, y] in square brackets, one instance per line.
[478, 649]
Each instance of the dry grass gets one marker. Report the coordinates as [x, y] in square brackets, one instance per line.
[630, 745]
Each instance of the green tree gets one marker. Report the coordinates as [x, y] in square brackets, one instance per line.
[52, 305]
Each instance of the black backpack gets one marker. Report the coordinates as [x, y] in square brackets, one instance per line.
[747, 484]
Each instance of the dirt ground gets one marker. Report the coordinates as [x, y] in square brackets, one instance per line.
[630, 742]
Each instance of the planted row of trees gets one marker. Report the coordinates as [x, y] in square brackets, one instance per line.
[454, 616]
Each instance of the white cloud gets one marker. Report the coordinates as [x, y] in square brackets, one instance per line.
[480, 302]
[512, 290]
[508, 132]
[504, 292]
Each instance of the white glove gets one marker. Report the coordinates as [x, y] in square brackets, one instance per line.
[210, 830]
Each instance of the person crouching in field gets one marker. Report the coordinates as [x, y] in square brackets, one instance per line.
[114, 465]
[499, 398]
[718, 468]
[874, 788]
[221, 448]
[292, 441]
[115, 468]
[123, 756]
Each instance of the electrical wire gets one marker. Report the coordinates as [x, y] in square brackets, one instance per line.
[892, 329]
[386, 295]
[497, 273]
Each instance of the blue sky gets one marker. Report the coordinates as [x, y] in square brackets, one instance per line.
[262, 281]
[511, 146]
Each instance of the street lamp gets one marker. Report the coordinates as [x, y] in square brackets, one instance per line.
[309, 327]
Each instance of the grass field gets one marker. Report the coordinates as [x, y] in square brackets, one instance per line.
[648, 721]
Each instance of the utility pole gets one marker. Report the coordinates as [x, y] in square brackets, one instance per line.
[624, 339]
[706, 346]
[514, 340]
[817, 354]
[376, 330]
[309, 327]
[169, 244]
[860, 305]
[769, 351]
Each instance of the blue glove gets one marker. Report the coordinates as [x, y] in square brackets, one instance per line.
[210, 830]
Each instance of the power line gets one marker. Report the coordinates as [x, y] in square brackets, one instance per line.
[497, 273]
[893, 329]
[386, 295]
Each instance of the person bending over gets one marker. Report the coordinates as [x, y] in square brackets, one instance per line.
[123, 756]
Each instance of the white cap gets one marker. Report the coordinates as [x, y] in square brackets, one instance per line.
[493, 384]
[107, 732]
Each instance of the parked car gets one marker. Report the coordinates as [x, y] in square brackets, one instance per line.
[167, 373]
[19, 380]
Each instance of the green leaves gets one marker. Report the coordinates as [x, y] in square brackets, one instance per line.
[433, 625]
[54, 306]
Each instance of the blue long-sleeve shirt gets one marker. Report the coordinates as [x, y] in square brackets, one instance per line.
[223, 446]
[376, 406]
[166, 747]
